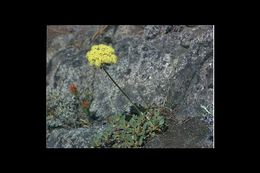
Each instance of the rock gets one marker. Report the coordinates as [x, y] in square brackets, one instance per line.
[71, 138]
[186, 135]
[168, 65]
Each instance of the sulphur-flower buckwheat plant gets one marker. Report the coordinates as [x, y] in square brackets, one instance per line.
[122, 131]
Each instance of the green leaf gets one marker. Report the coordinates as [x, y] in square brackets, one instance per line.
[132, 122]
[157, 113]
[128, 137]
[153, 120]
[146, 124]
[141, 140]
[161, 122]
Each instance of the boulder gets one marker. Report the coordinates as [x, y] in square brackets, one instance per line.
[162, 65]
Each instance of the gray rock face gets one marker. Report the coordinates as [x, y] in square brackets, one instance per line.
[74, 138]
[158, 65]
[189, 134]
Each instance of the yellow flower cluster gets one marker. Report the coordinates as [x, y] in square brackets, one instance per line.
[101, 54]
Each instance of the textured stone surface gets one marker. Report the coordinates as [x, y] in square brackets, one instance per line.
[73, 138]
[189, 134]
[169, 65]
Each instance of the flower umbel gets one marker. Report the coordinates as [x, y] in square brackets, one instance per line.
[101, 54]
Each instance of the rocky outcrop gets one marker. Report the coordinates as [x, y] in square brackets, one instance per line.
[168, 66]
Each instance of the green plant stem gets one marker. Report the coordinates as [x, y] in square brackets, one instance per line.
[78, 100]
[122, 91]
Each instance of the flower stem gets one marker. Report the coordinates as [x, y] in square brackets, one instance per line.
[122, 91]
